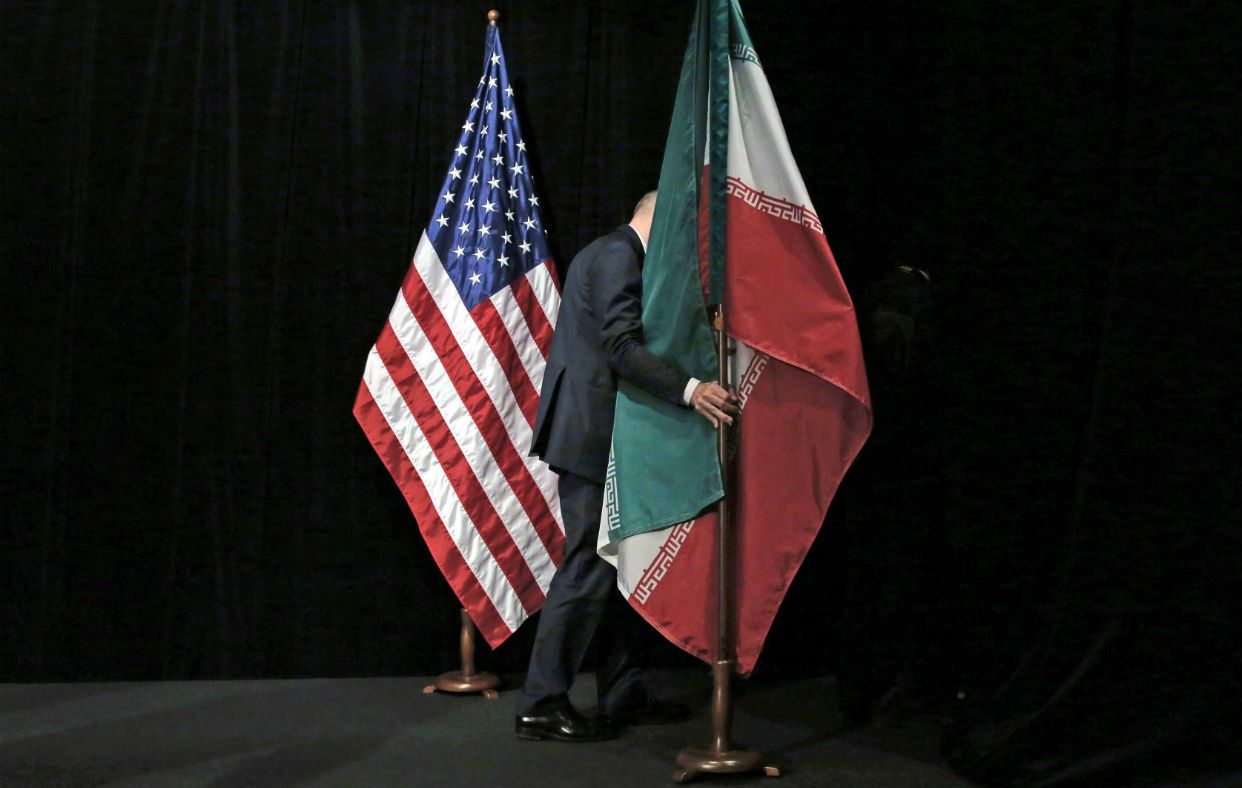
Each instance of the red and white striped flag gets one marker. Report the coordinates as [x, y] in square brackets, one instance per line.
[450, 389]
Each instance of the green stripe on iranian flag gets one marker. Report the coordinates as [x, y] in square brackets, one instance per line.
[664, 468]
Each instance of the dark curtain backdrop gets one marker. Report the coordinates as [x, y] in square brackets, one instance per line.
[208, 208]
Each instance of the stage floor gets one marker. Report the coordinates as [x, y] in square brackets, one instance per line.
[385, 732]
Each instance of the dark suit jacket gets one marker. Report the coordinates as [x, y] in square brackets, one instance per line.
[599, 337]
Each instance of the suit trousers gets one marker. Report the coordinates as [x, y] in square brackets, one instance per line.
[579, 598]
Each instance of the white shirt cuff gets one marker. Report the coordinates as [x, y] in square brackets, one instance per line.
[690, 387]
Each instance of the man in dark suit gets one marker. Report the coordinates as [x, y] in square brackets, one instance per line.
[599, 337]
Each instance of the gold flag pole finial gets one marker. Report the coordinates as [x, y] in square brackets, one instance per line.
[493, 16]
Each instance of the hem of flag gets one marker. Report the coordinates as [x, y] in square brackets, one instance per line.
[763, 347]
[623, 532]
[677, 640]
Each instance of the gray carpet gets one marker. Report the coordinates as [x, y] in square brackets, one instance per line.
[386, 732]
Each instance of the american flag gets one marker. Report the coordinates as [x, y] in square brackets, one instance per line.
[450, 389]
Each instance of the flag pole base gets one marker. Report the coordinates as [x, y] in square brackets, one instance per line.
[721, 757]
[455, 683]
[466, 681]
[693, 761]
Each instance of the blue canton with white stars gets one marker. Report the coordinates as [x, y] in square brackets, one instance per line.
[486, 227]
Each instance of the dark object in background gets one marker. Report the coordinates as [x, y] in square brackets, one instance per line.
[892, 654]
[895, 327]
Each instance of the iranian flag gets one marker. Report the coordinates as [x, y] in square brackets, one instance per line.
[733, 225]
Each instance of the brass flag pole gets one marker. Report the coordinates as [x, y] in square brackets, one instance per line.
[466, 680]
[720, 757]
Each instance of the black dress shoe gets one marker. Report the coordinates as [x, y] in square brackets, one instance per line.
[650, 712]
[563, 723]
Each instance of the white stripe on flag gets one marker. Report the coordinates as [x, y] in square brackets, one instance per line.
[546, 294]
[534, 364]
[766, 163]
[440, 387]
[483, 361]
[515, 323]
[440, 490]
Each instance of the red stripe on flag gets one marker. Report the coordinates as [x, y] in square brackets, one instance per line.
[492, 327]
[784, 444]
[785, 297]
[775, 525]
[483, 412]
[540, 326]
[443, 550]
[677, 594]
[466, 484]
[525, 489]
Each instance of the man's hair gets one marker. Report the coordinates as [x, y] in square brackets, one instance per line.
[646, 201]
